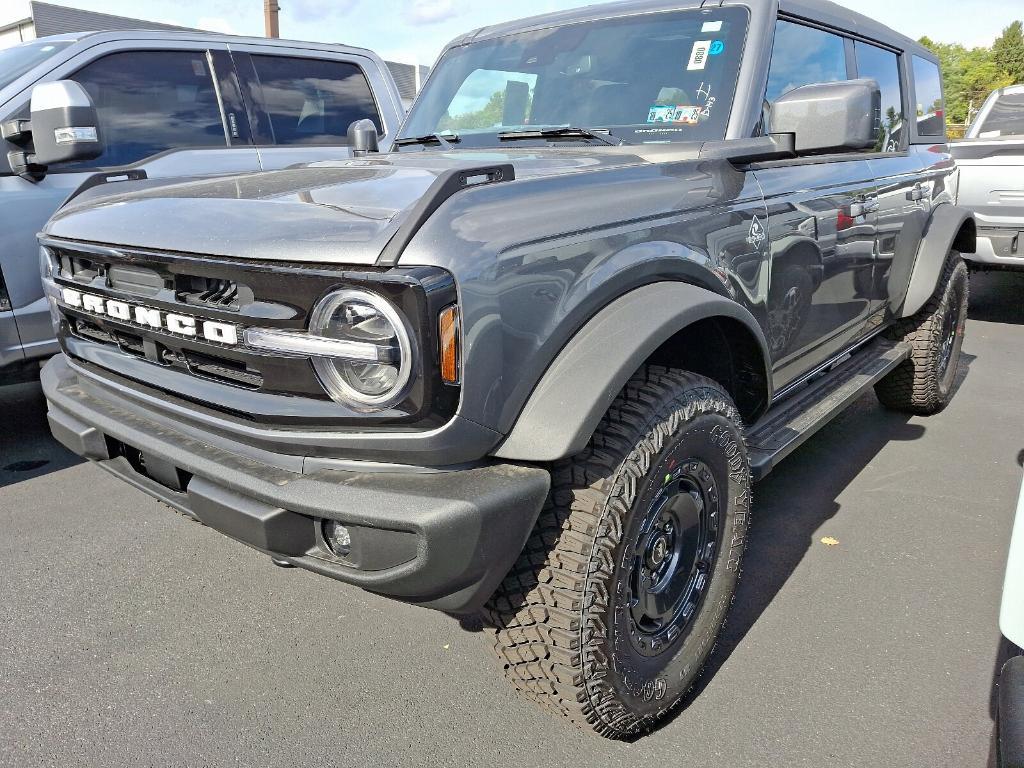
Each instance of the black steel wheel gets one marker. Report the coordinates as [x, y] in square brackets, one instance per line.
[616, 602]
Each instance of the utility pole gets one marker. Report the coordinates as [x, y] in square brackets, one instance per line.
[270, 9]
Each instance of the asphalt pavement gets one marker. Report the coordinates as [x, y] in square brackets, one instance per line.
[132, 636]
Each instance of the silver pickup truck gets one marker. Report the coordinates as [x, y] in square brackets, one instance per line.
[991, 162]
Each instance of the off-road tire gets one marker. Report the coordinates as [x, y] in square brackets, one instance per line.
[558, 622]
[921, 385]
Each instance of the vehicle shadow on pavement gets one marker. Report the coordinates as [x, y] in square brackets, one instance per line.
[794, 502]
[27, 449]
[997, 297]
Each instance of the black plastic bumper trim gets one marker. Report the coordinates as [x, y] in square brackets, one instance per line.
[469, 524]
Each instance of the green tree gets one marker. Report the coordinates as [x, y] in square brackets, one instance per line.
[970, 75]
[488, 115]
[1008, 51]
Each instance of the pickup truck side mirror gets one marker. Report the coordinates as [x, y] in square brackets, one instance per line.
[829, 117]
[65, 125]
[362, 137]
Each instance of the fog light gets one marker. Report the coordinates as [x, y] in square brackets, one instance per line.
[337, 537]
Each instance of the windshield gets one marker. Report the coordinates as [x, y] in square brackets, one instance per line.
[16, 61]
[1006, 117]
[651, 78]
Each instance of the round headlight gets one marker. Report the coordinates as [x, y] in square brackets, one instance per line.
[370, 321]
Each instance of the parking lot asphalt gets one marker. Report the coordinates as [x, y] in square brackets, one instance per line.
[132, 636]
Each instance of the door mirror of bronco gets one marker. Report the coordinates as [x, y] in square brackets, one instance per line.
[829, 117]
[65, 126]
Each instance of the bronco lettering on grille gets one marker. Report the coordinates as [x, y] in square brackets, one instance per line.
[147, 317]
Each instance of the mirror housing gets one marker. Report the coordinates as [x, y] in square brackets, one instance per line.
[362, 137]
[829, 117]
[65, 125]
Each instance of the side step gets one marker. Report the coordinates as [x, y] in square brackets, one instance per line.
[786, 426]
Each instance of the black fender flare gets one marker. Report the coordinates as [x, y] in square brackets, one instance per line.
[584, 379]
[945, 231]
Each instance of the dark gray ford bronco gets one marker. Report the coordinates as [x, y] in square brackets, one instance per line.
[620, 262]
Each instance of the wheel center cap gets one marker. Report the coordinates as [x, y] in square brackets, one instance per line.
[659, 551]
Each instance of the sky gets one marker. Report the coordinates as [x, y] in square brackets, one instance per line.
[414, 31]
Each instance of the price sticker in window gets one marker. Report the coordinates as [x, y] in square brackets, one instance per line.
[699, 55]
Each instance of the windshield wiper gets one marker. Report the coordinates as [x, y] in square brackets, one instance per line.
[565, 132]
[444, 139]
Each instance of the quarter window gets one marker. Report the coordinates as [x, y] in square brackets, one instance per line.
[802, 56]
[884, 67]
[152, 101]
[312, 101]
[931, 117]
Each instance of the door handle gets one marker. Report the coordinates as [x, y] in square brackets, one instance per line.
[863, 208]
[917, 194]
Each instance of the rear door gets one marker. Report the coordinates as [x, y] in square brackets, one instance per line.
[904, 196]
[822, 220]
[166, 109]
[302, 102]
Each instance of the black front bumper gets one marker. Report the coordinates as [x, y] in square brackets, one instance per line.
[444, 539]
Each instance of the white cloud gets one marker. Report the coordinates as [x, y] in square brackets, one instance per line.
[432, 11]
[216, 24]
[317, 10]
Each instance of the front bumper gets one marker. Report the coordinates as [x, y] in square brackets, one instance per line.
[441, 538]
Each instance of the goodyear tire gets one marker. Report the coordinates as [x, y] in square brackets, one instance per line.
[617, 599]
[924, 383]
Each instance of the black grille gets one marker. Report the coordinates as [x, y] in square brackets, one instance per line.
[212, 292]
[244, 294]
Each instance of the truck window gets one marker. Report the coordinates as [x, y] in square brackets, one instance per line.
[803, 56]
[152, 101]
[884, 67]
[311, 101]
[648, 77]
[1006, 118]
[931, 118]
[19, 59]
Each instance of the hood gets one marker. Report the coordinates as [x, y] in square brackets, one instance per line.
[342, 212]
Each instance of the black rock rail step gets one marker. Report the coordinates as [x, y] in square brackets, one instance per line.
[786, 426]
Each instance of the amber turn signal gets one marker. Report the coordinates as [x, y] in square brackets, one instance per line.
[449, 333]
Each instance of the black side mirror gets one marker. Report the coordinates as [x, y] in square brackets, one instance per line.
[829, 117]
[65, 125]
[362, 137]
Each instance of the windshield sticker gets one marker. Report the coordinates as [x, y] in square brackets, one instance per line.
[711, 26]
[699, 55]
[704, 92]
[716, 48]
[674, 113]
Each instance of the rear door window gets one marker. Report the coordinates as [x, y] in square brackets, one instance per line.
[803, 56]
[884, 67]
[1005, 118]
[931, 117]
[152, 101]
[310, 101]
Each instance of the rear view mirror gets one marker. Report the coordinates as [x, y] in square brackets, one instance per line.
[829, 117]
[517, 100]
[65, 125]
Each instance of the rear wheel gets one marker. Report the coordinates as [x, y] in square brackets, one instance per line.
[923, 384]
[616, 602]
